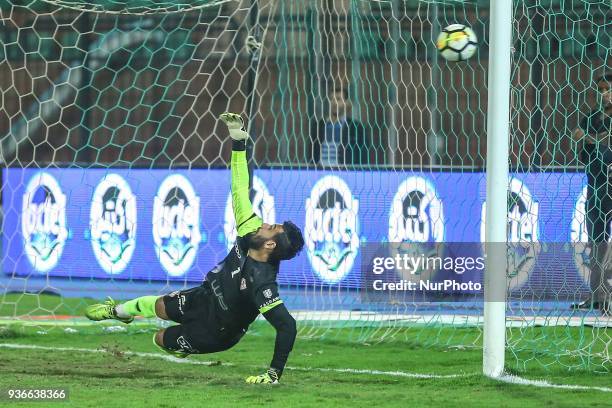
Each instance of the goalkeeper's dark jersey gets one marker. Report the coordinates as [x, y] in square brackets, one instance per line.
[214, 316]
[243, 288]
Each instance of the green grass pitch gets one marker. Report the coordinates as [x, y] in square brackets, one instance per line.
[118, 376]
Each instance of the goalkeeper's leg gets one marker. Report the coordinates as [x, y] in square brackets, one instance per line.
[196, 336]
[145, 306]
[198, 331]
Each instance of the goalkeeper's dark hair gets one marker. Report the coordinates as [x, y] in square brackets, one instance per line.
[289, 243]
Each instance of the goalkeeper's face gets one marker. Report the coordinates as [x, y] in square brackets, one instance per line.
[265, 236]
[278, 242]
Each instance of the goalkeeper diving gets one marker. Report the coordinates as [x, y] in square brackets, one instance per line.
[214, 316]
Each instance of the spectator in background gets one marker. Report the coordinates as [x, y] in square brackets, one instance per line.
[339, 139]
[595, 133]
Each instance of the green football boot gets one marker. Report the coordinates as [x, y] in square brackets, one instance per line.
[105, 311]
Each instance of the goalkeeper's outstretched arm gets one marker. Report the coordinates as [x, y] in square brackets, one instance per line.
[286, 332]
[246, 220]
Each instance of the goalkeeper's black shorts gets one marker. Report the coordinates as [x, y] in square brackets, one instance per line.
[198, 331]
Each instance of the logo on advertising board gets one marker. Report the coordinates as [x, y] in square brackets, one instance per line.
[43, 222]
[523, 212]
[263, 206]
[331, 228]
[579, 237]
[176, 224]
[416, 216]
[416, 213]
[112, 223]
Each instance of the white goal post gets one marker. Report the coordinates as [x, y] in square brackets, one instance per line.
[498, 128]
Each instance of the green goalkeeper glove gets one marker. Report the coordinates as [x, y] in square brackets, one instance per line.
[270, 377]
[235, 125]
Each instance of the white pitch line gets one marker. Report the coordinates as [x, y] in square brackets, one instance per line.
[378, 372]
[510, 379]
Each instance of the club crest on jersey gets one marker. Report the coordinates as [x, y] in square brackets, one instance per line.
[331, 228]
[267, 293]
[176, 224]
[43, 222]
[112, 223]
[263, 206]
[523, 212]
[243, 284]
[416, 223]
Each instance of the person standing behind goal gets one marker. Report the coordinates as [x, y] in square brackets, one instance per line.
[595, 133]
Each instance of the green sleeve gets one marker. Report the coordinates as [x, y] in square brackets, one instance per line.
[246, 220]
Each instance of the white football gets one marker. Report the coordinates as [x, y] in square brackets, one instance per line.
[457, 42]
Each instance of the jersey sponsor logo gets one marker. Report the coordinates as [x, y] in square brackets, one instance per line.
[181, 303]
[184, 345]
[218, 292]
[263, 207]
[523, 230]
[331, 228]
[43, 222]
[416, 223]
[269, 302]
[112, 223]
[176, 224]
[267, 293]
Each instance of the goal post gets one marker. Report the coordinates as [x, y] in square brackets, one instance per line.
[498, 140]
